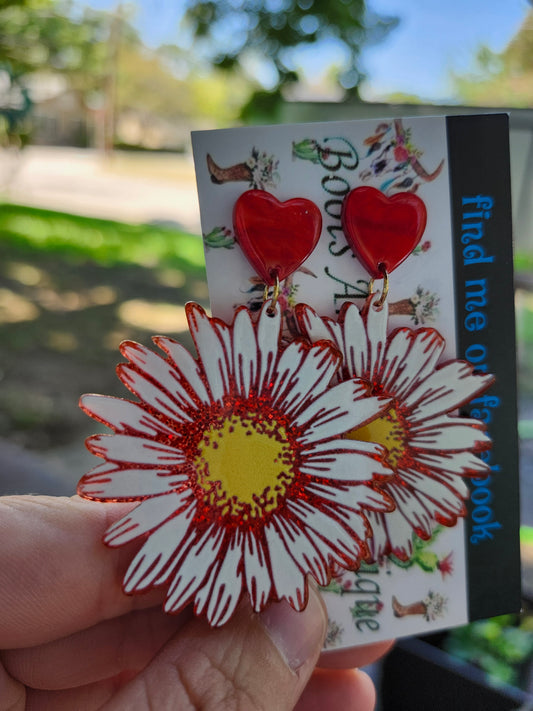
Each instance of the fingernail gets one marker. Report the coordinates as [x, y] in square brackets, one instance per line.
[297, 635]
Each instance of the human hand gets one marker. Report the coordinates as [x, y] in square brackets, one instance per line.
[71, 639]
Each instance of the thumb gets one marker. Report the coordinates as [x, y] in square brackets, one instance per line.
[254, 662]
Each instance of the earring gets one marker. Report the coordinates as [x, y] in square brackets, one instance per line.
[430, 451]
[237, 460]
[275, 237]
[381, 231]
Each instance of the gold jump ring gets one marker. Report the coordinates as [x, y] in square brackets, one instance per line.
[385, 276]
[274, 297]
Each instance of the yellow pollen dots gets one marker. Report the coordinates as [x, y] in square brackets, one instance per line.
[388, 431]
[245, 465]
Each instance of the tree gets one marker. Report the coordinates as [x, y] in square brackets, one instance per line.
[270, 33]
[51, 36]
[504, 78]
[149, 83]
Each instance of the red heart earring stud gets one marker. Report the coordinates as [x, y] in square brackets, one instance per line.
[275, 237]
[381, 231]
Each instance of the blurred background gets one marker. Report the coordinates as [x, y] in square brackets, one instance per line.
[99, 226]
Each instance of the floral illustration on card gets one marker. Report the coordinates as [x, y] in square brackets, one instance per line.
[238, 462]
[389, 158]
[432, 608]
[394, 161]
[422, 307]
[422, 248]
[259, 171]
[426, 559]
[219, 237]
[333, 635]
[430, 450]
[332, 153]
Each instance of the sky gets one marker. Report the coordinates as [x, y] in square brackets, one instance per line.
[434, 38]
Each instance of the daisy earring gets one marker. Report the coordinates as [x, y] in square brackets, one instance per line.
[430, 451]
[244, 481]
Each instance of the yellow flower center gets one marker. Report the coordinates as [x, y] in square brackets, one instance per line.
[245, 465]
[387, 430]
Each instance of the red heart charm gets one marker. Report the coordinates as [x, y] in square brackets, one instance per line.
[382, 230]
[276, 237]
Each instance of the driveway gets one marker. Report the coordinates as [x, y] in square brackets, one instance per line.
[130, 187]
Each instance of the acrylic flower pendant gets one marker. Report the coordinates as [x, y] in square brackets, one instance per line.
[244, 479]
[429, 450]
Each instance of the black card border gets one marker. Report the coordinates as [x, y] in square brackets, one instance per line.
[479, 165]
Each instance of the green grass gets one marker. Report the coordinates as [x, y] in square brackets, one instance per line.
[102, 241]
[526, 535]
[523, 262]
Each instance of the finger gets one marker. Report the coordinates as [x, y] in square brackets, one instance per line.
[56, 576]
[338, 689]
[111, 648]
[12, 692]
[91, 697]
[252, 662]
[352, 657]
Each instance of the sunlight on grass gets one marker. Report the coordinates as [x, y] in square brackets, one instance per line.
[61, 301]
[153, 317]
[15, 308]
[102, 241]
[62, 341]
[26, 274]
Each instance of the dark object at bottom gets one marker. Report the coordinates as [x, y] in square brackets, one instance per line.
[419, 677]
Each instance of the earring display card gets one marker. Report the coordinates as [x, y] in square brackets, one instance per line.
[458, 282]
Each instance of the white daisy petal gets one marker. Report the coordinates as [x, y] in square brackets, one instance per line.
[339, 539]
[413, 509]
[392, 534]
[444, 390]
[195, 565]
[268, 336]
[355, 522]
[110, 481]
[150, 393]
[439, 498]
[315, 369]
[355, 498]
[148, 515]
[338, 410]
[354, 343]
[123, 415]
[345, 465]
[313, 376]
[256, 571]
[188, 368]
[244, 353]
[226, 591]
[455, 463]
[348, 446]
[316, 328]
[310, 556]
[411, 357]
[288, 581]
[155, 368]
[449, 434]
[154, 561]
[135, 450]
[212, 346]
[376, 329]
